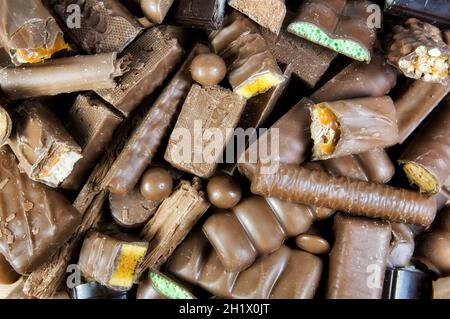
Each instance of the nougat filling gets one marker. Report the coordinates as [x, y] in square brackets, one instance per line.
[325, 130]
[421, 177]
[126, 263]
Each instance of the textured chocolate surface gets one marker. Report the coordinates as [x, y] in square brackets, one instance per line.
[405, 283]
[159, 286]
[432, 11]
[201, 14]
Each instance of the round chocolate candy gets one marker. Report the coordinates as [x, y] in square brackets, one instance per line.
[224, 191]
[156, 184]
[7, 274]
[208, 69]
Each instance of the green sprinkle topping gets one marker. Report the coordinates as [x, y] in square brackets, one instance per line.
[169, 288]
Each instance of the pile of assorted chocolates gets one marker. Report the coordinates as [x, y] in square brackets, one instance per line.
[121, 178]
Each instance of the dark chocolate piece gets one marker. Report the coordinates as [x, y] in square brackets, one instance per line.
[201, 14]
[406, 283]
[158, 286]
[156, 184]
[5, 126]
[402, 245]
[208, 69]
[156, 10]
[358, 258]
[441, 288]
[314, 187]
[7, 274]
[95, 290]
[224, 191]
[432, 11]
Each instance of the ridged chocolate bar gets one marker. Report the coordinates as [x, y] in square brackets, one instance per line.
[201, 14]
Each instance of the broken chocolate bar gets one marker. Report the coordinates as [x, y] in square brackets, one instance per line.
[202, 14]
[156, 10]
[402, 245]
[159, 286]
[432, 11]
[46, 151]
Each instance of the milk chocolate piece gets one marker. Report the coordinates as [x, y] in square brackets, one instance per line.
[426, 160]
[313, 242]
[5, 126]
[402, 245]
[46, 151]
[252, 67]
[432, 11]
[269, 14]
[92, 124]
[224, 191]
[132, 209]
[156, 10]
[340, 25]
[208, 69]
[314, 187]
[156, 184]
[377, 165]
[153, 56]
[109, 261]
[406, 283]
[95, 290]
[201, 14]
[358, 258]
[28, 32]
[285, 274]
[104, 27]
[35, 219]
[64, 75]
[441, 288]
[352, 126]
[7, 274]
[419, 52]
[144, 142]
[212, 110]
[159, 286]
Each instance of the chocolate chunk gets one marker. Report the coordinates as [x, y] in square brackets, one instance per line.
[201, 14]
[432, 11]
[358, 258]
[7, 274]
[208, 69]
[159, 286]
[5, 126]
[441, 288]
[224, 191]
[35, 220]
[156, 184]
[405, 283]
[402, 245]
[94, 290]
[313, 242]
[156, 10]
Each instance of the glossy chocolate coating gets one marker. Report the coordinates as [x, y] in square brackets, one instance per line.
[95, 290]
[7, 274]
[402, 245]
[208, 69]
[156, 184]
[313, 242]
[202, 14]
[156, 10]
[406, 283]
[224, 191]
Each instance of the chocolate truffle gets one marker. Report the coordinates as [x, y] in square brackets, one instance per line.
[224, 191]
[208, 69]
[7, 274]
[156, 184]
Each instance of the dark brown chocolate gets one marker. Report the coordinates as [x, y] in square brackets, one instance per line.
[406, 283]
[224, 191]
[208, 69]
[7, 274]
[93, 290]
[156, 184]
[201, 14]
[156, 10]
[432, 11]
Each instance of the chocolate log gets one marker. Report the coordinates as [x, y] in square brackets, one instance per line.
[419, 52]
[340, 25]
[35, 220]
[65, 75]
[46, 151]
[285, 274]
[102, 27]
[426, 160]
[432, 11]
[7, 274]
[352, 126]
[358, 258]
[28, 32]
[377, 165]
[406, 283]
[153, 56]
[402, 245]
[441, 288]
[146, 139]
[158, 286]
[201, 14]
[5, 126]
[314, 187]
[208, 114]
[156, 10]
[109, 261]
[252, 67]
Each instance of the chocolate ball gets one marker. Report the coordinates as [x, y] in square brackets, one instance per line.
[156, 184]
[208, 69]
[224, 191]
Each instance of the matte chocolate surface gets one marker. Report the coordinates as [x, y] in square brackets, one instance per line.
[201, 14]
[156, 10]
[208, 69]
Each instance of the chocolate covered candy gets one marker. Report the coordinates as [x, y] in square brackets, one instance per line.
[208, 69]
[201, 14]
[402, 245]
[313, 242]
[441, 288]
[406, 283]
[7, 274]
[156, 184]
[224, 191]
[158, 286]
[156, 10]
[432, 11]
[5, 126]
[94, 290]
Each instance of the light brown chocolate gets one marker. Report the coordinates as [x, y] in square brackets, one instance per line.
[224, 191]
[156, 184]
[208, 69]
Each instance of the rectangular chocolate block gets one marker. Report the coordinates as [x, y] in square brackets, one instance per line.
[201, 14]
[152, 57]
[432, 11]
[213, 111]
[35, 220]
[404, 283]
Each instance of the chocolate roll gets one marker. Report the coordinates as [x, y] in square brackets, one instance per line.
[103, 27]
[93, 290]
[285, 274]
[210, 111]
[426, 160]
[358, 258]
[406, 283]
[419, 52]
[7, 274]
[144, 142]
[315, 187]
[200, 14]
[64, 75]
[28, 32]
[159, 286]
[5, 126]
[432, 11]
[35, 220]
[339, 25]
[269, 14]
[402, 246]
[46, 151]
[156, 10]
[352, 126]
[110, 261]
[92, 124]
[152, 57]
[252, 67]
[441, 288]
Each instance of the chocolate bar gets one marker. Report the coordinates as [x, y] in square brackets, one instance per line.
[35, 219]
[201, 14]
[432, 11]
[269, 14]
[426, 160]
[210, 111]
[5, 126]
[144, 142]
[402, 245]
[315, 187]
[103, 27]
[287, 273]
[156, 184]
[224, 191]
[46, 151]
[92, 124]
[352, 126]
[153, 56]
[419, 52]
[406, 283]
[109, 261]
[313, 242]
[28, 32]
[339, 25]
[7, 274]
[252, 67]
[156, 10]
[159, 286]
[358, 258]
[93, 290]
[441, 288]
[65, 75]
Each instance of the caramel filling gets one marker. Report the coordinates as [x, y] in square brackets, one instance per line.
[325, 130]
[41, 54]
[126, 264]
[419, 176]
[261, 84]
